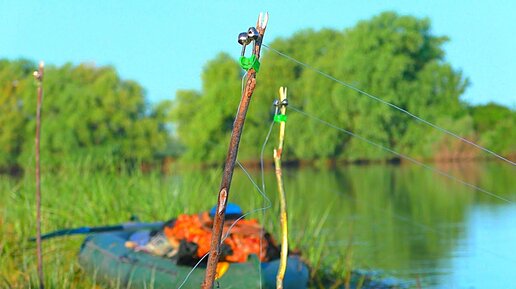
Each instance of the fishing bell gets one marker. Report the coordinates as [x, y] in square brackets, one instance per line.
[253, 34]
[284, 102]
[276, 104]
[244, 40]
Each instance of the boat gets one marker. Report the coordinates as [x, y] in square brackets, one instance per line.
[108, 261]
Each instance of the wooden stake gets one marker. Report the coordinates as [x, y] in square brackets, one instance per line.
[229, 166]
[281, 191]
[39, 78]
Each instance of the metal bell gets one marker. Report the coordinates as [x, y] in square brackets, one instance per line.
[253, 33]
[284, 102]
[276, 104]
[243, 39]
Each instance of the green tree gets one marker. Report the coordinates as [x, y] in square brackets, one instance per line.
[204, 121]
[396, 58]
[494, 125]
[88, 111]
[13, 82]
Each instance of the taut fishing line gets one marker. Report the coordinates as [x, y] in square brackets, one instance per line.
[389, 104]
[439, 128]
[261, 191]
[262, 175]
[269, 205]
[262, 153]
[424, 227]
[400, 155]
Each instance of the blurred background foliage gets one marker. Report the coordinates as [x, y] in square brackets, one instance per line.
[90, 111]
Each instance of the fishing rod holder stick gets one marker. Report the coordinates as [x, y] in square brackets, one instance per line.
[229, 166]
[38, 75]
[281, 105]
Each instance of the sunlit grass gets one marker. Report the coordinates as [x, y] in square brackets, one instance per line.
[111, 195]
[74, 198]
[327, 213]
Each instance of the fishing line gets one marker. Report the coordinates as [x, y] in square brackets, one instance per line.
[400, 155]
[242, 86]
[241, 91]
[269, 203]
[265, 198]
[414, 223]
[262, 175]
[389, 104]
[234, 223]
[191, 271]
[262, 153]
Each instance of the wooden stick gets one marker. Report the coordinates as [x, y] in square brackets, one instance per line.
[39, 78]
[281, 191]
[229, 166]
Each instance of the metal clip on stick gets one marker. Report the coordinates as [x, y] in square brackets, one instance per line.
[276, 104]
[279, 117]
[245, 38]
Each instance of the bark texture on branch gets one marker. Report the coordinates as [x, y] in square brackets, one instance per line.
[229, 166]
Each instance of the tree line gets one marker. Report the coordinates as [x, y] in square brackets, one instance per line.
[88, 112]
[91, 112]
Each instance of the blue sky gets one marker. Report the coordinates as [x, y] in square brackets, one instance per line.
[163, 45]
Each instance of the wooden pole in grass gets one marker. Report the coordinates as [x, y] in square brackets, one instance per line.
[38, 75]
[282, 119]
[229, 166]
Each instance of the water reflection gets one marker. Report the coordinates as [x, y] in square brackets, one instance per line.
[485, 257]
[403, 220]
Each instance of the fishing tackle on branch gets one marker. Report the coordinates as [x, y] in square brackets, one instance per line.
[244, 39]
[253, 33]
[278, 117]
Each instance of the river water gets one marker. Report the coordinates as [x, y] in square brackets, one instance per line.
[404, 221]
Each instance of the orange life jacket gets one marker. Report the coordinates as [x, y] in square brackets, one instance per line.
[245, 237]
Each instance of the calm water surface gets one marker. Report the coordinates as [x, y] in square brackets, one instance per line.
[405, 221]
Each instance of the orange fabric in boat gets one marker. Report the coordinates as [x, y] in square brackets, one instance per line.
[243, 240]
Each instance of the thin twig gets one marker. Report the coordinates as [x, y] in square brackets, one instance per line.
[418, 281]
[39, 78]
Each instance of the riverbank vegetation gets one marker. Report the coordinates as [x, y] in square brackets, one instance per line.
[402, 220]
[98, 127]
[90, 111]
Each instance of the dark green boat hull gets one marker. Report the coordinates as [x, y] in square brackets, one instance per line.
[108, 261]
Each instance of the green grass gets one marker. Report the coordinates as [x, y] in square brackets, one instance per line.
[73, 197]
[328, 211]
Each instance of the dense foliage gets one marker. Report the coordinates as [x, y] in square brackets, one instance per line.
[90, 112]
[396, 58]
[495, 125]
[87, 111]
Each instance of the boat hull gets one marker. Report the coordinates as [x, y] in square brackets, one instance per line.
[108, 261]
